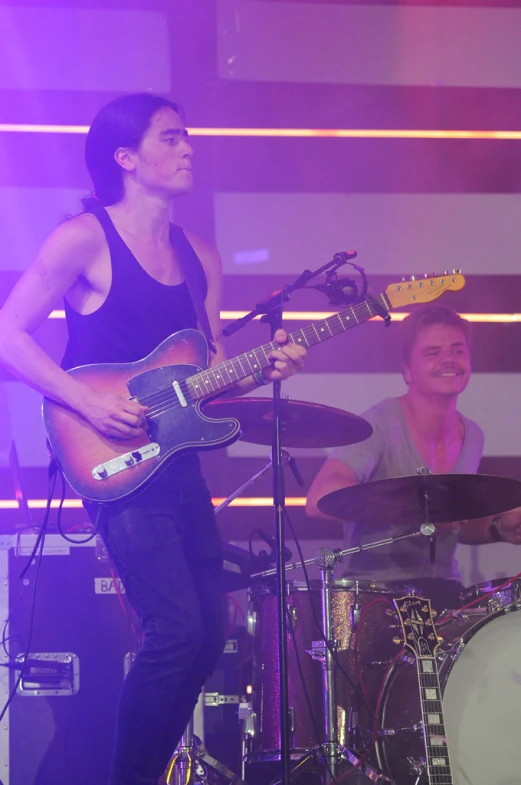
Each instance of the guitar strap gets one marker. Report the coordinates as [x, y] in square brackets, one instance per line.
[189, 262]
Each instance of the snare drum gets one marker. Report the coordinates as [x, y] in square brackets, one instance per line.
[480, 677]
[489, 595]
[362, 612]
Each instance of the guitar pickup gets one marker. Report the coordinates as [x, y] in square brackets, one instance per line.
[125, 461]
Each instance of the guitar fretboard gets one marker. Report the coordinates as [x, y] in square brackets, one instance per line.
[232, 371]
[438, 763]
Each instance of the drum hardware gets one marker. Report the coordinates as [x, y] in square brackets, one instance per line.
[424, 531]
[191, 762]
[331, 755]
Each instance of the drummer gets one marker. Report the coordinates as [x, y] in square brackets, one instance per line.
[421, 428]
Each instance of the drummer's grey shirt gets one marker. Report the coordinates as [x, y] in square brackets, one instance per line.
[390, 452]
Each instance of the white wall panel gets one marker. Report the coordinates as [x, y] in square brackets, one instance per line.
[393, 233]
[27, 216]
[369, 44]
[491, 400]
[83, 49]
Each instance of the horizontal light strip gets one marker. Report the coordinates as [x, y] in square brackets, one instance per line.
[313, 316]
[294, 133]
[73, 504]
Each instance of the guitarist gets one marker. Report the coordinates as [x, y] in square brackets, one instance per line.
[420, 428]
[119, 267]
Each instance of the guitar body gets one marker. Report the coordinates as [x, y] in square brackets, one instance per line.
[79, 448]
[174, 381]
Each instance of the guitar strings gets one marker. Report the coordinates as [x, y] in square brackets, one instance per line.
[165, 399]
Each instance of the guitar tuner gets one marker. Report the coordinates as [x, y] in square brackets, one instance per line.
[410, 636]
[398, 640]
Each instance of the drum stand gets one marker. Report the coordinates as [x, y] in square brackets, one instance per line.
[191, 762]
[329, 754]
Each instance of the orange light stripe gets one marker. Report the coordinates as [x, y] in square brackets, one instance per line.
[313, 316]
[73, 504]
[294, 133]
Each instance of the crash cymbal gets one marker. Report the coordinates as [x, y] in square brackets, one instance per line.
[304, 424]
[401, 500]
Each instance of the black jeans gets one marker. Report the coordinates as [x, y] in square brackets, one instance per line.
[168, 553]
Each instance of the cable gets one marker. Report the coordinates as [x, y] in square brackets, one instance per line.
[58, 519]
[39, 557]
[36, 554]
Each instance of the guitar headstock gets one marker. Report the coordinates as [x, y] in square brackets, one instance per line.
[424, 289]
[417, 620]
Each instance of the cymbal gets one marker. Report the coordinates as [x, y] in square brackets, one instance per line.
[303, 424]
[401, 500]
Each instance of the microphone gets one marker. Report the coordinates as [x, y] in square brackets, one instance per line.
[269, 540]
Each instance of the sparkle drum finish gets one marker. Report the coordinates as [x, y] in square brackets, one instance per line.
[360, 654]
[479, 665]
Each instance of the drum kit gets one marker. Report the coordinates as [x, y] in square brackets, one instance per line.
[361, 707]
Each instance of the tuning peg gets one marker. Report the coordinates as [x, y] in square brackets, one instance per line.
[445, 272]
[435, 274]
[410, 636]
[413, 278]
[425, 275]
[398, 640]
[403, 279]
[456, 271]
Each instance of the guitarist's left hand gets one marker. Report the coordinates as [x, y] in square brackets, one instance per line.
[286, 360]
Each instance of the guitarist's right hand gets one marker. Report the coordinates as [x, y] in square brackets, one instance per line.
[114, 416]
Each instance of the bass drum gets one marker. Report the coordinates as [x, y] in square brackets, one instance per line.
[479, 665]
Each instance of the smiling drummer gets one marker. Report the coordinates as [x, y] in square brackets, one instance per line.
[421, 428]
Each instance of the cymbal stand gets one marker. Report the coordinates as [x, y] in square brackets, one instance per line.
[329, 753]
[425, 530]
[286, 460]
[326, 560]
[271, 312]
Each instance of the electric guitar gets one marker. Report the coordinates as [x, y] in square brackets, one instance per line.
[419, 633]
[174, 381]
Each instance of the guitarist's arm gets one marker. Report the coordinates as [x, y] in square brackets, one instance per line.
[286, 361]
[62, 264]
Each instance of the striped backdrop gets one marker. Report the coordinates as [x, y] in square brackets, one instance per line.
[277, 205]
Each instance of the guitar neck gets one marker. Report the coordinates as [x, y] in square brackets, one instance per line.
[438, 763]
[227, 373]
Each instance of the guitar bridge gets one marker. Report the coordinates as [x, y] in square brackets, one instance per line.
[126, 461]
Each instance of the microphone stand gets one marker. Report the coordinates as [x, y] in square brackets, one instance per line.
[271, 310]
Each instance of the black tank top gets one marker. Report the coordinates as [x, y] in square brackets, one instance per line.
[138, 313]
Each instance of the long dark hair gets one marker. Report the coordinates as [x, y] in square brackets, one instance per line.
[121, 123]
